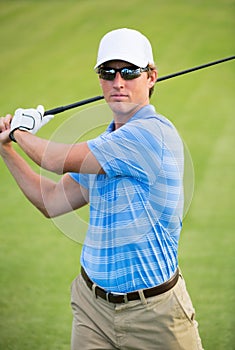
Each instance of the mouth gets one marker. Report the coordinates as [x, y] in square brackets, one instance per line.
[118, 97]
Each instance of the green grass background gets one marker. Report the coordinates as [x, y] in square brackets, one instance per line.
[48, 50]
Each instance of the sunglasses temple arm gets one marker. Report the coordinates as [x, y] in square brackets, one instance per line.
[97, 98]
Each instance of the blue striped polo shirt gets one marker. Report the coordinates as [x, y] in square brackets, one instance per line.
[136, 208]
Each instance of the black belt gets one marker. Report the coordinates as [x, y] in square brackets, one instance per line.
[123, 298]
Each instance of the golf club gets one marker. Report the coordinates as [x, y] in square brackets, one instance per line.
[97, 98]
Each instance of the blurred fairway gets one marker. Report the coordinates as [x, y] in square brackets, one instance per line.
[48, 50]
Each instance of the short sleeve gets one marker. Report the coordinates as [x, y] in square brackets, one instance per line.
[134, 150]
[82, 179]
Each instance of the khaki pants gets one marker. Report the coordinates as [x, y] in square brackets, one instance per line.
[164, 322]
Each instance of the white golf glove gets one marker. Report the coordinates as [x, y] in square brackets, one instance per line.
[30, 120]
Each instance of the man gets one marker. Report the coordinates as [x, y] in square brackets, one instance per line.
[130, 293]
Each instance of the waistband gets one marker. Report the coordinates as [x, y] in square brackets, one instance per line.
[124, 298]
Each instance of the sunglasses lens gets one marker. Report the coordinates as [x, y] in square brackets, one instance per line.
[126, 73]
[107, 74]
[129, 74]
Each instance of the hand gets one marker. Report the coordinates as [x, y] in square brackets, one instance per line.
[5, 124]
[30, 120]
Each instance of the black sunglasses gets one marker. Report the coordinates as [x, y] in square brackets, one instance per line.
[127, 73]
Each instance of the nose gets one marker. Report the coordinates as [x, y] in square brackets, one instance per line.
[118, 81]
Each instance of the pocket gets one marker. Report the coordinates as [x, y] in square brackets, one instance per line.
[184, 309]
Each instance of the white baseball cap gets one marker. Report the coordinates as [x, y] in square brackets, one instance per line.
[126, 45]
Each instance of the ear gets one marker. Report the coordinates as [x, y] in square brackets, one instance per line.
[153, 78]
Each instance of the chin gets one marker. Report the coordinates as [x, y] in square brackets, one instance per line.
[123, 108]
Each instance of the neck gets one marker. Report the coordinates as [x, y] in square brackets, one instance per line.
[122, 115]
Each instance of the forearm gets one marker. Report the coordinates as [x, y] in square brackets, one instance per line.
[57, 157]
[48, 155]
[31, 184]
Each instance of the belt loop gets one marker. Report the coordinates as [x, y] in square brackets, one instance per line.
[180, 273]
[125, 299]
[93, 288]
[142, 297]
[107, 297]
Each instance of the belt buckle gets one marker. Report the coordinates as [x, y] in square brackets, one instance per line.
[124, 297]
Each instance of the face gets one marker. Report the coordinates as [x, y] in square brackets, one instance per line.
[125, 97]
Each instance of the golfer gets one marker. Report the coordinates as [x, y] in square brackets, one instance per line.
[130, 294]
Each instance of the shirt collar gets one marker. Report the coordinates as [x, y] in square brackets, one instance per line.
[143, 113]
